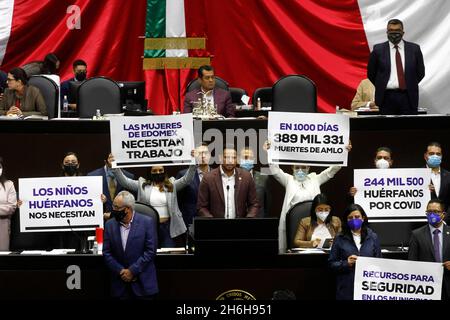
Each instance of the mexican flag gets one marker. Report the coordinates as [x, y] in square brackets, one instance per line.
[250, 43]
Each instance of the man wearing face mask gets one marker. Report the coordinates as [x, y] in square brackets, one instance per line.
[247, 162]
[439, 177]
[382, 160]
[129, 250]
[110, 185]
[187, 197]
[395, 68]
[432, 242]
[80, 74]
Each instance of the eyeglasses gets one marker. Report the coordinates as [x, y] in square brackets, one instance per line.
[10, 79]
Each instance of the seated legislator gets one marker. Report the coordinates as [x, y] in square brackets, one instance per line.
[21, 99]
[160, 191]
[312, 231]
[227, 191]
[355, 240]
[80, 74]
[365, 96]
[219, 98]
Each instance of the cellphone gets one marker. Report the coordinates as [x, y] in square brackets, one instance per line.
[327, 243]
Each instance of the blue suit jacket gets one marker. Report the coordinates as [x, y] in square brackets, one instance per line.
[101, 172]
[64, 89]
[138, 256]
[343, 247]
[379, 70]
[187, 197]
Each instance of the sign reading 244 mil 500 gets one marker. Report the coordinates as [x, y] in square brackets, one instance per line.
[308, 138]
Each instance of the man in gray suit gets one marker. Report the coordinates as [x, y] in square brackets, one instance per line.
[432, 242]
[247, 162]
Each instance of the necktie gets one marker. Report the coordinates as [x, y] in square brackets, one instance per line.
[400, 73]
[111, 187]
[437, 245]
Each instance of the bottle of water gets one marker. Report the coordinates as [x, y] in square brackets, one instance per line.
[258, 104]
[95, 248]
[65, 104]
[98, 114]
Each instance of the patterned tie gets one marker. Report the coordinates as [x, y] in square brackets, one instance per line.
[437, 245]
[112, 187]
[400, 73]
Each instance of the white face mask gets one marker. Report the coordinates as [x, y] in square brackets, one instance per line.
[322, 215]
[382, 164]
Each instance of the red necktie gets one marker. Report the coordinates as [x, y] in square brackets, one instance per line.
[400, 73]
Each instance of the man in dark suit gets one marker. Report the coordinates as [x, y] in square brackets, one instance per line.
[80, 74]
[218, 97]
[187, 197]
[439, 177]
[129, 251]
[432, 242]
[110, 185]
[247, 162]
[395, 68]
[227, 191]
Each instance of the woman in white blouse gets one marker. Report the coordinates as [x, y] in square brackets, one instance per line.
[8, 204]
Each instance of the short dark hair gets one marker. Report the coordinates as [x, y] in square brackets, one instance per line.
[436, 200]
[319, 199]
[434, 144]
[204, 67]
[385, 149]
[19, 74]
[70, 153]
[79, 62]
[395, 21]
[49, 65]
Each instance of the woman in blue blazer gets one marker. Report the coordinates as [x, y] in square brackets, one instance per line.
[356, 239]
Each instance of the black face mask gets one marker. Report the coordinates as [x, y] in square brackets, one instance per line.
[80, 76]
[395, 37]
[157, 177]
[70, 170]
[118, 214]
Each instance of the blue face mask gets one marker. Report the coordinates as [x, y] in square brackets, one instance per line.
[246, 164]
[355, 224]
[433, 218]
[300, 175]
[434, 161]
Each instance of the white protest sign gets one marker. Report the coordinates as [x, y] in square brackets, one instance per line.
[48, 204]
[317, 139]
[392, 279]
[393, 193]
[152, 140]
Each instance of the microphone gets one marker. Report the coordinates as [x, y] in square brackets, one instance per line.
[82, 247]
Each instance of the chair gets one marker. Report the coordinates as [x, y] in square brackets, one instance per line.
[294, 93]
[236, 95]
[50, 92]
[220, 83]
[3, 77]
[265, 94]
[295, 214]
[98, 93]
[148, 210]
